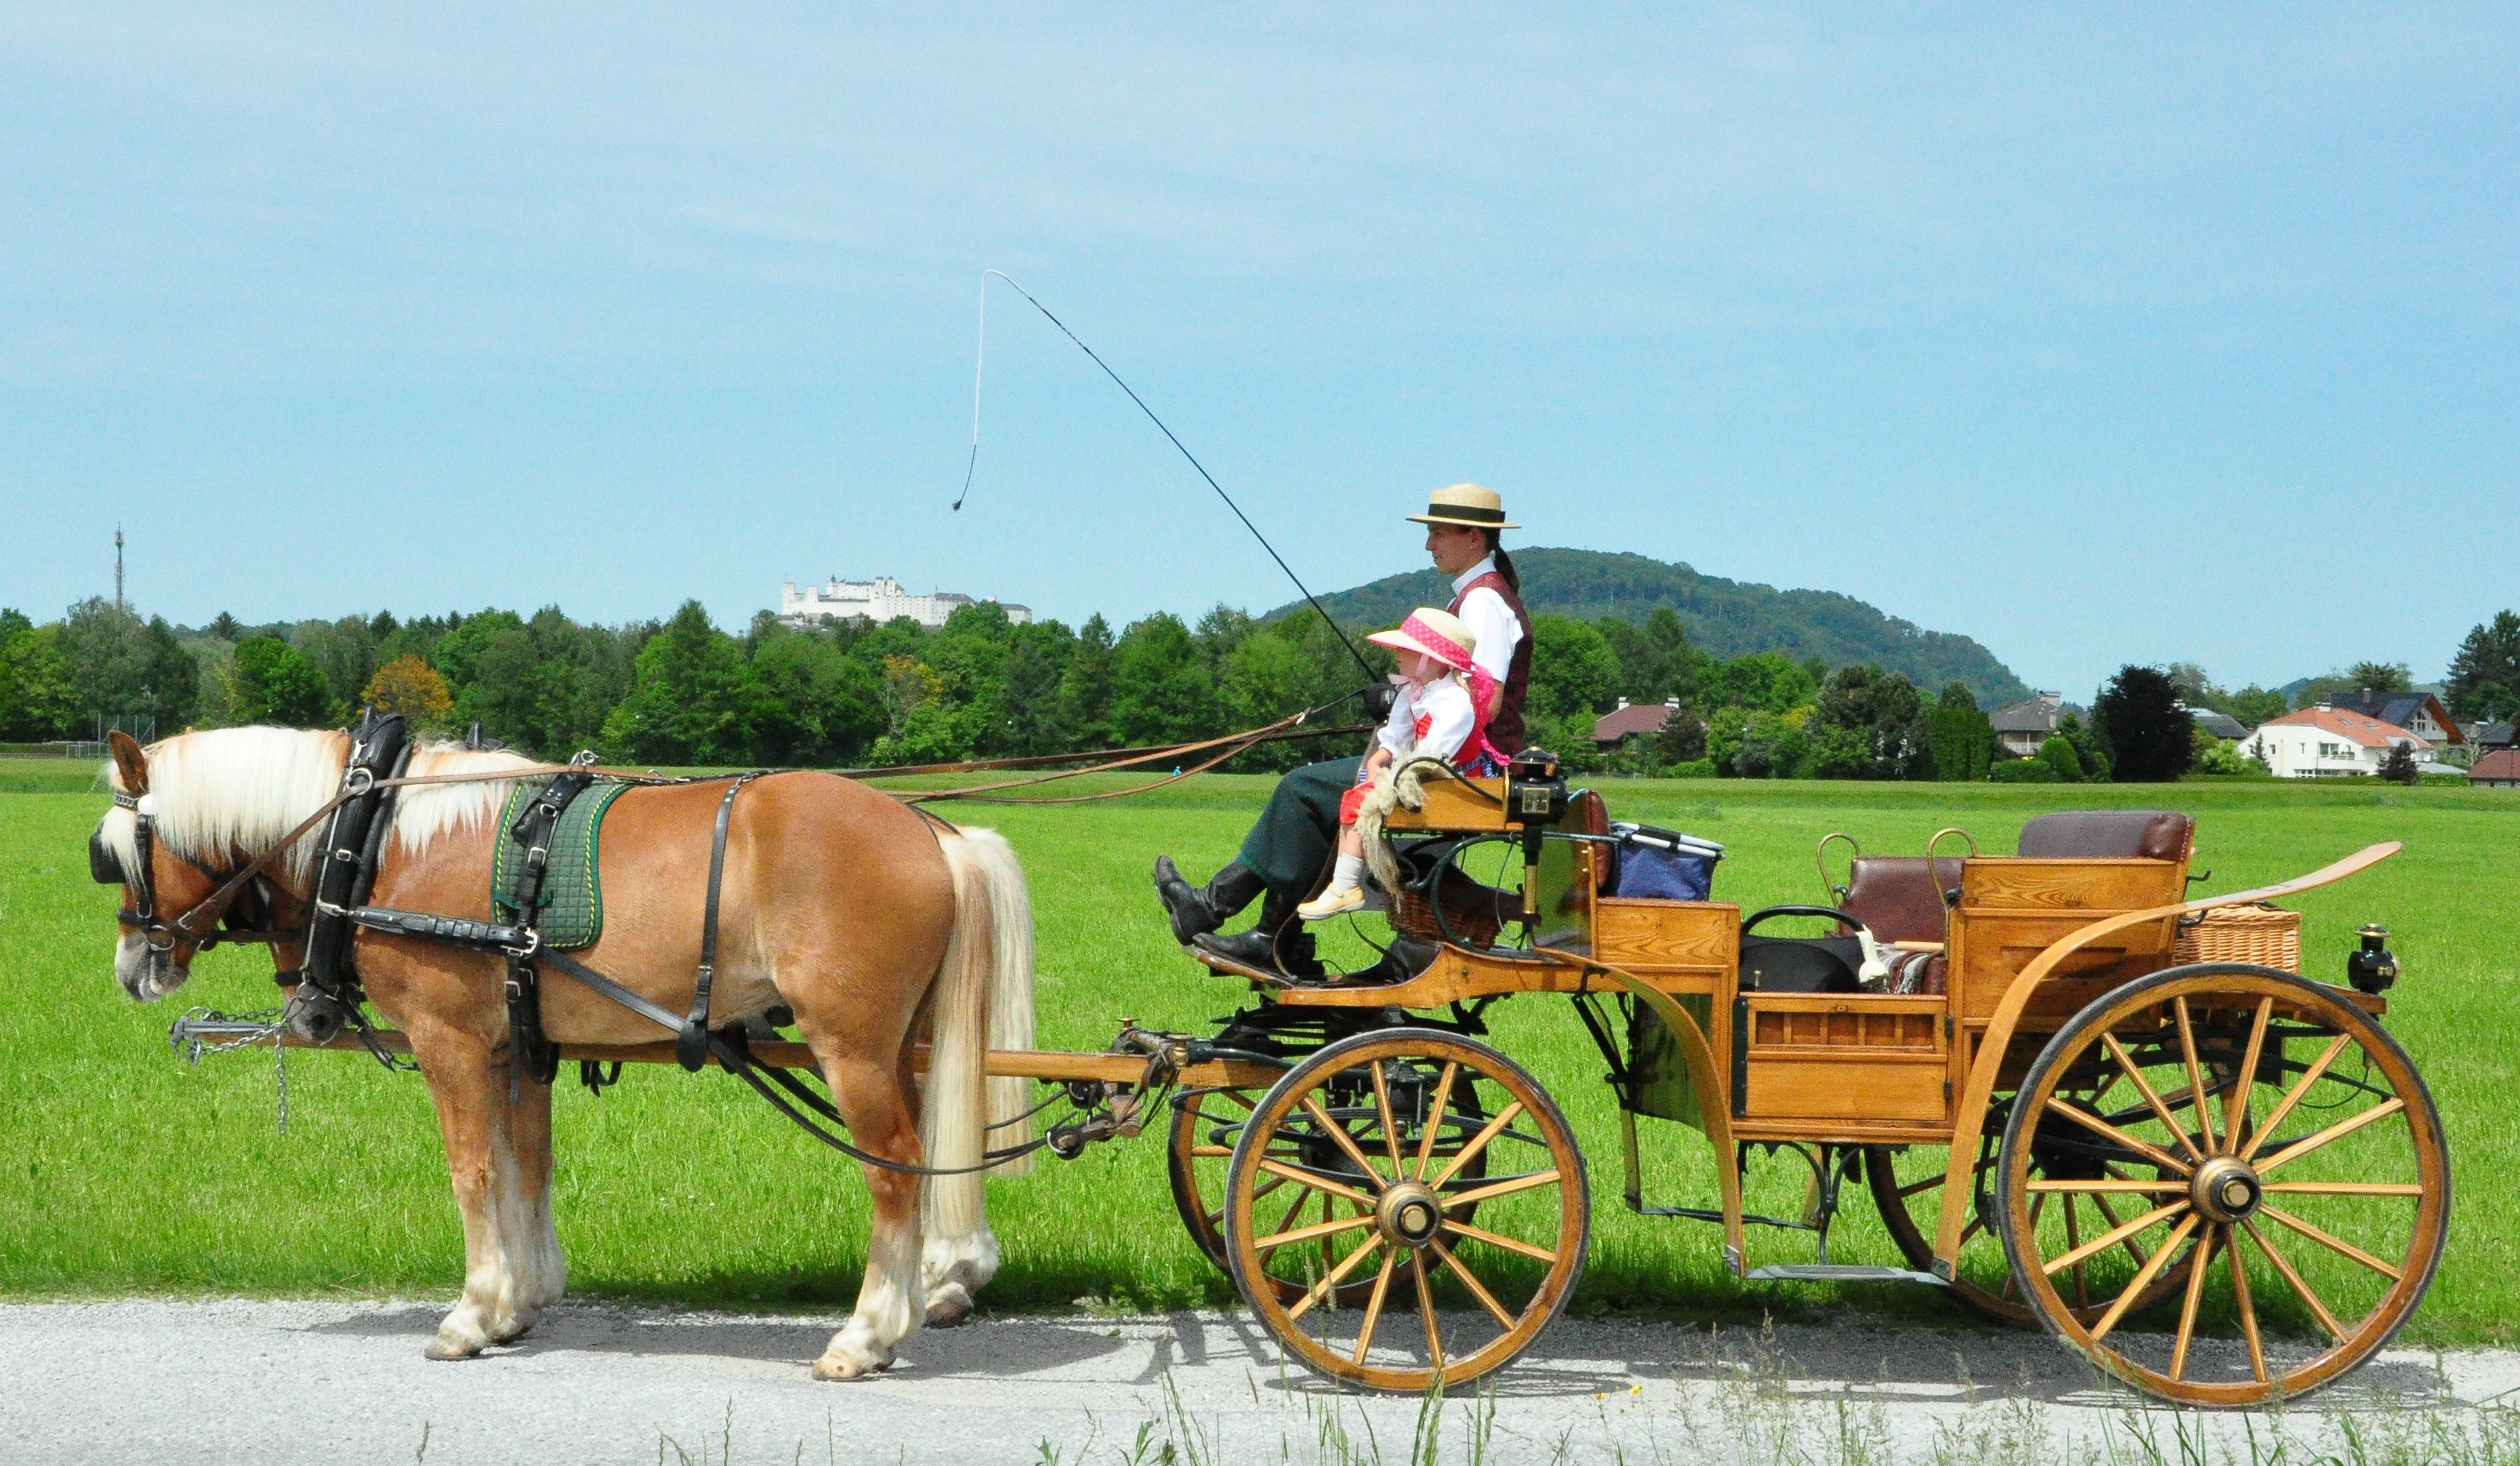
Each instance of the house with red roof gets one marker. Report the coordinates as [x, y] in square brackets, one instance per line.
[2500, 769]
[1631, 720]
[2328, 743]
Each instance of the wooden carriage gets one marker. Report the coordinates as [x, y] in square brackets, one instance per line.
[2064, 1108]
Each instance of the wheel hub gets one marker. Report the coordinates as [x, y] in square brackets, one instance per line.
[2225, 1189]
[1409, 1214]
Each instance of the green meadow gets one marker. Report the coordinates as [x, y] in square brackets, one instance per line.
[124, 1171]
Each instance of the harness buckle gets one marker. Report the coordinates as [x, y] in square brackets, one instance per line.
[358, 781]
[533, 944]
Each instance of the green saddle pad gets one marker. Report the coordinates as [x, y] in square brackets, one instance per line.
[572, 917]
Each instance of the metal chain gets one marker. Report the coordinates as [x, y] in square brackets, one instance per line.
[267, 1024]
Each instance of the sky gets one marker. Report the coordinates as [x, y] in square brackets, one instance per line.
[2099, 334]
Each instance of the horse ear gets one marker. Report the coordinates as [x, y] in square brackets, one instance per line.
[129, 761]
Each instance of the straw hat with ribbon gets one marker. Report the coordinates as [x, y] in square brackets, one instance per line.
[1441, 635]
[1467, 504]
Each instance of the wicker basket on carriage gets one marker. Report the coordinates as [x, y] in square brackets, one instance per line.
[2253, 932]
[1471, 912]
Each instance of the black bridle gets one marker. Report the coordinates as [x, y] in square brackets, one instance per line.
[141, 888]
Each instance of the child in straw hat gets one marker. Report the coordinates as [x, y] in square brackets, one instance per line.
[1439, 714]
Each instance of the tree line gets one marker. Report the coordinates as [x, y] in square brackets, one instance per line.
[685, 691]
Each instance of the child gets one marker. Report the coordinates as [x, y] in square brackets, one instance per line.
[1438, 714]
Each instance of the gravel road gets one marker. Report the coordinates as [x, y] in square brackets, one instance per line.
[288, 1382]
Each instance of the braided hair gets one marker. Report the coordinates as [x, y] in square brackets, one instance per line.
[1503, 560]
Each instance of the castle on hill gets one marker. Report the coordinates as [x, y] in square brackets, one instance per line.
[879, 601]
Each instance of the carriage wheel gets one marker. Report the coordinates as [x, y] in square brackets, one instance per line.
[1206, 1123]
[2287, 1149]
[1402, 1134]
[1906, 1184]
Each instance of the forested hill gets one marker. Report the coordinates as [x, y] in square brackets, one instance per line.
[1726, 618]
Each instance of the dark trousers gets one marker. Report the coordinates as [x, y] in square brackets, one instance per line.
[1291, 843]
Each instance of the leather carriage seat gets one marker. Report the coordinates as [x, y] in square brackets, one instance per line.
[1900, 897]
[2110, 834]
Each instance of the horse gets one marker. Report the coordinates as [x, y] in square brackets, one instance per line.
[874, 926]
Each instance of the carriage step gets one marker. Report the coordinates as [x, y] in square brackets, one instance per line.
[1838, 1272]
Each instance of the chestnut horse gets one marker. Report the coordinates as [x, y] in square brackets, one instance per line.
[873, 926]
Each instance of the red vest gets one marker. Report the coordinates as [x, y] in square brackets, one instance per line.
[1505, 730]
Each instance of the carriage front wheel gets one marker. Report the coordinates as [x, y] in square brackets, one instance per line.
[2267, 1135]
[1410, 1131]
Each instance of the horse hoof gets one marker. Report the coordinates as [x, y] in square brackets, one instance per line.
[946, 1312]
[848, 1367]
[444, 1346]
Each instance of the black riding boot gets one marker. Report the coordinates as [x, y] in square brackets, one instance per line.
[1261, 946]
[1193, 910]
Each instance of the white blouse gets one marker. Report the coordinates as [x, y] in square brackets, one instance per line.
[1432, 721]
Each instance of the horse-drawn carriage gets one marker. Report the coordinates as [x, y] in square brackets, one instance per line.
[2067, 1099]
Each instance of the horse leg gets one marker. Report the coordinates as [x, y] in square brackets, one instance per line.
[503, 1196]
[882, 1119]
[961, 1255]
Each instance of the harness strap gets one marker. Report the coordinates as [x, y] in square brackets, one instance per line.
[690, 1043]
[528, 1051]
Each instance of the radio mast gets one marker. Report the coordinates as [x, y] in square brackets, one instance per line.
[117, 567]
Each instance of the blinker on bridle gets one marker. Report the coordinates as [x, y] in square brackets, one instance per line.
[160, 934]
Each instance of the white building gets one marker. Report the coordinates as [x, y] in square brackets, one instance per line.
[2327, 743]
[878, 600]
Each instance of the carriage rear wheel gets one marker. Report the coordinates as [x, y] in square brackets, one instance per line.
[2282, 1147]
[1404, 1132]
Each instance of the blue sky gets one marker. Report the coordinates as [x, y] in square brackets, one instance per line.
[2129, 333]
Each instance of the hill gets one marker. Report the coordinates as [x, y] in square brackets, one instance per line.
[1727, 617]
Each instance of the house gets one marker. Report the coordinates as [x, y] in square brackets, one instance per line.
[2418, 712]
[2487, 737]
[2327, 742]
[2023, 727]
[2500, 769]
[2219, 724]
[1631, 720]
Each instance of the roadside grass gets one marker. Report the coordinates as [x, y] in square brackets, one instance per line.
[126, 1171]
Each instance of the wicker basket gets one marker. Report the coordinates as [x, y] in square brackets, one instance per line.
[2254, 932]
[1471, 921]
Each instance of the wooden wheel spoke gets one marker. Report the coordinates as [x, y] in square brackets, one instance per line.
[1492, 1238]
[1329, 1281]
[2123, 1232]
[1211, 1152]
[2143, 1277]
[2332, 1243]
[1329, 1229]
[1373, 1305]
[2236, 1110]
[2293, 1096]
[1435, 1117]
[1427, 1314]
[2126, 1062]
[2284, 1266]
[2102, 1127]
[2248, 1307]
[1505, 1187]
[2338, 1131]
[2196, 1270]
[2195, 1074]
[1344, 1141]
[1247, 1102]
[2108, 1214]
[1469, 1280]
[1382, 1107]
[2074, 1238]
[1302, 1177]
[2085, 1188]
[2344, 1188]
[1478, 1143]
[1928, 1184]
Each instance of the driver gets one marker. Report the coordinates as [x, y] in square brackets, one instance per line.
[1288, 850]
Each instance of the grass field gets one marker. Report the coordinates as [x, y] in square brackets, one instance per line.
[126, 1171]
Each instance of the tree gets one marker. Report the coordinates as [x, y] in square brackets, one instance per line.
[2195, 689]
[345, 652]
[2381, 676]
[2397, 766]
[273, 684]
[2059, 753]
[2485, 676]
[1960, 735]
[1573, 669]
[1883, 715]
[1160, 690]
[1683, 738]
[819, 705]
[693, 699]
[2146, 732]
[2090, 743]
[38, 696]
[413, 688]
[226, 627]
[1766, 681]
[2254, 704]
[1085, 686]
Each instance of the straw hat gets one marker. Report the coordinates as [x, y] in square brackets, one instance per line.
[1467, 504]
[1439, 634]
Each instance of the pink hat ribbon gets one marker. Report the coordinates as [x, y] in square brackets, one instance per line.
[1482, 684]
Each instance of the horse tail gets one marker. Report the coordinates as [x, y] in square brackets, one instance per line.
[983, 1000]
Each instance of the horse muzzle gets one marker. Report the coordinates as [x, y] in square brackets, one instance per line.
[146, 972]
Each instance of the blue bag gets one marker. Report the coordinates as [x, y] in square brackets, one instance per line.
[1663, 863]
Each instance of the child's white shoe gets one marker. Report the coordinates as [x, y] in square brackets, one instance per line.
[1331, 902]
